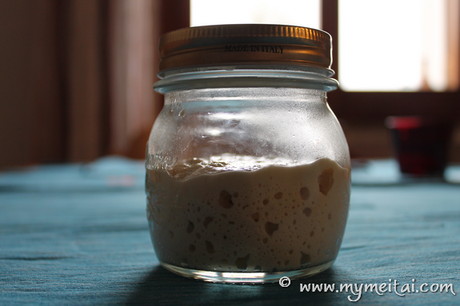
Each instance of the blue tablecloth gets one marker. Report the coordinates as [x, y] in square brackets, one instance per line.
[77, 235]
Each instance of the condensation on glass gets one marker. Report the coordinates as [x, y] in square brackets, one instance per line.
[247, 168]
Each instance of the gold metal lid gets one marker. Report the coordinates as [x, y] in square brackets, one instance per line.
[245, 44]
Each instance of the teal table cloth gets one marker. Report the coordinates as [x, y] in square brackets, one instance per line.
[77, 234]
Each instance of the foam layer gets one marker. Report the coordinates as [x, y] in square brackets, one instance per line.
[274, 218]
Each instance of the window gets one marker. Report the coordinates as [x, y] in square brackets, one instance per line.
[305, 13]
[411, 45]
[407, 45]
[422, 80]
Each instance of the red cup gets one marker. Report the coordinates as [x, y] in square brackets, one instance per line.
[421, 145]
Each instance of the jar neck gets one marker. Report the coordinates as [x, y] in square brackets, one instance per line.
[232, 98]
[246, 76]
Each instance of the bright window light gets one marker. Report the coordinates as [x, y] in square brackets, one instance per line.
[304, 13]
[395, 45]
[384, 45]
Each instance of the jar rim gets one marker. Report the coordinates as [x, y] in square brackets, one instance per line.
[242, 44]
[224, 78]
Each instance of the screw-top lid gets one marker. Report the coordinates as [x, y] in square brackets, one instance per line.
[245, 44]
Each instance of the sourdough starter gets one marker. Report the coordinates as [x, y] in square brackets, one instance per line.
[208, 216]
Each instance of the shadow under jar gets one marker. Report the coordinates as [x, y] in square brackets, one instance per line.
[248, 169]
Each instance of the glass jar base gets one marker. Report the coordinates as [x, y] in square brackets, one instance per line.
[245, 277]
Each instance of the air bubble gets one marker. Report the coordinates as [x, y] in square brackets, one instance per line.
[307, 211]
[255, 217]
[278, 195]
[209, 247]
[207, 221]
[242, 263]
[270, 228]
[304, 259]
[326, 180]
[225, 199]
[304, 193]
[190, 227]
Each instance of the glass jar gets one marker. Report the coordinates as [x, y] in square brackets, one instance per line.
[248, 169]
